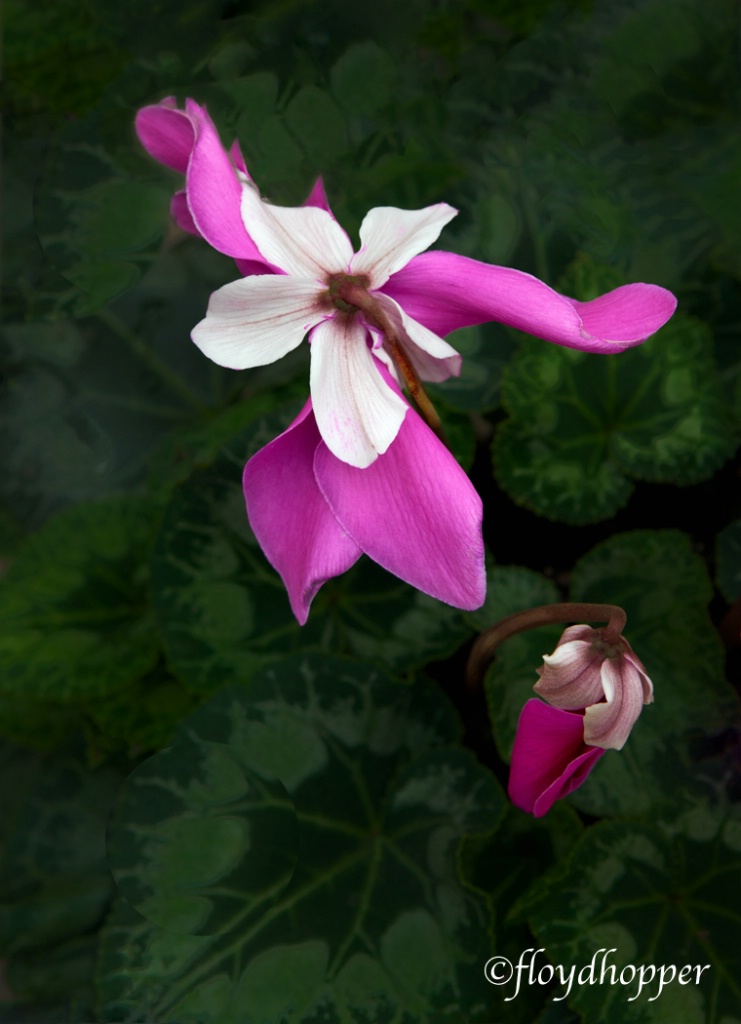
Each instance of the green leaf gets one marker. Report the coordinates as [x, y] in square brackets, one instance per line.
[224, 612]
[485, 350]
[54, 880]
[74, 612]
[581, 426]
[639, 895]
[363, 79]
[315, 120]
[97, 224]
[373, 922]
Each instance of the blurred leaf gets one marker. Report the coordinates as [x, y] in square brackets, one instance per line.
[99, 225]
[54, 880]
[728, 560]
[485, 350]
[363, 79]
[580, 426]
[315, 120]
[74, 613]
[649, 896]
[373, 922]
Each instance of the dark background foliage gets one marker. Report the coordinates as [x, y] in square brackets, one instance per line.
[310, 823]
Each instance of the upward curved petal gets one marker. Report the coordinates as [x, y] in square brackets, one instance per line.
[445, 291]
[357, 413]
[414, 511]
[302, 240]
[256, 320]
[215, 192]
[180, 212]
[166, 133]
[390, 237]
[318, 197]
[301, 538]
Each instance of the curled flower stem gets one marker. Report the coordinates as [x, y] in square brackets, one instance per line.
[487, 643]
[358, 296]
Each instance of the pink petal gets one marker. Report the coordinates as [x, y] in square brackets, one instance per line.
[414, 511]
[182, 216]
[257, 320]
[215, 192]
[549, 759]
[445, 291]
[357, 413]
[433, 358]
[318, 197]
[235, 155]
[390, 237]
[627, 315]
[301, 240]
[301, 538]
[166, 134]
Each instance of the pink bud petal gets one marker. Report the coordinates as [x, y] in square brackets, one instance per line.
[549, 759]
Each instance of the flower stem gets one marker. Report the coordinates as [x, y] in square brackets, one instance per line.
[356, 295]
[487, 643]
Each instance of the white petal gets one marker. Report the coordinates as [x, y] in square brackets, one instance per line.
[433, 358]
[390, 237]
[608, 724]
[304, 240]
[358, 415]
[256, 320]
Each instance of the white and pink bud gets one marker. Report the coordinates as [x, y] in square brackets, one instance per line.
[596, 671]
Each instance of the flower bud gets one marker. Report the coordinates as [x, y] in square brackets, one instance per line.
[596, 671]
[596, 687]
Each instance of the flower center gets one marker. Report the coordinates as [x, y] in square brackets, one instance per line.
[352, 285]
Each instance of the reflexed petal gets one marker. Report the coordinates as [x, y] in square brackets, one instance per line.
[445, 291]
[390, 237]
[166, 134]
[647, 685]
[257, 320]
[415, 512]
[608, 724]
[571, 678]
[318, 197]
[549, 759]
[357, 413]
[433, 358]
[301, 240]
[301, 538]
[215, 194]
[182, 215]
[235, 155]
[628, 314]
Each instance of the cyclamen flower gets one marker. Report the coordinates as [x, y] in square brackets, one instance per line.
[596, 688]
[414, 511]
[388, 304]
